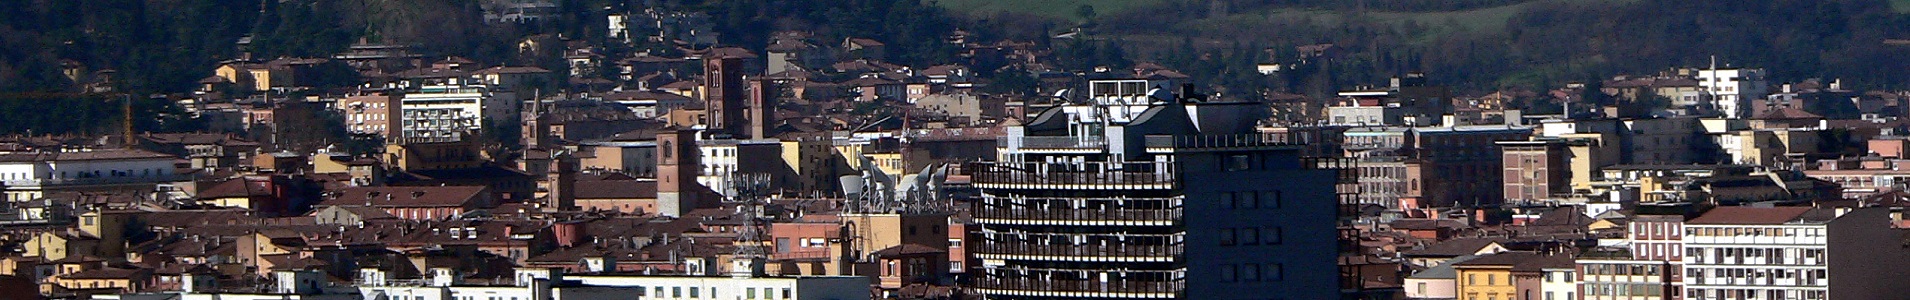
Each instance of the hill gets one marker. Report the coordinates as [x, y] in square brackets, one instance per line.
[1487, 44]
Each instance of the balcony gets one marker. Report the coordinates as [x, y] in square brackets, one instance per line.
[1054, 142]
[1067, 216]
[1087, 253]
[1171, 143]
[1083, 175]
[93, 181]
[1044, 287]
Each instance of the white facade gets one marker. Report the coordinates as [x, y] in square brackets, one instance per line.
[722, 158]
[1756, 261]
[26, 175]
[1730, 89]
[767, 288]
[1559, 283]
[445, 113]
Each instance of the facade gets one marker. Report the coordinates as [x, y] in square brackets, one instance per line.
[375, 113]
[1534, 170]
[1768, 253]
[29, 176]
[446, 113]
[1732, 90]
[1091, 201]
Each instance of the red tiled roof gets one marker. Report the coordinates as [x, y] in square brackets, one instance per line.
[616, 189]
[1743, 215]
[408, 196]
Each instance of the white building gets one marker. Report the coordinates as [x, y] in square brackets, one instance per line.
[1738, 252]
[446, 113]
[29, 176]
[714, 287]
[1733, 89]
[725, 157]
[1559, 283]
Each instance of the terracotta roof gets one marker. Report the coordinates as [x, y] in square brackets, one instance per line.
[408, 196]
[236, 187]
[104, 273]
[512, 70]
[1789, 113]
[1427, 224]
[1454, 247]
[907, 249]
[1744, 215]
[1520, 261]
[111, 154]
[616, 189]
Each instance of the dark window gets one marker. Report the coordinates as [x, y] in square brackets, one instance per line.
[1270, 236]
[1227, 237]
[1227, 273]
[1247, 200]
[1250, 272]
[1238, 162]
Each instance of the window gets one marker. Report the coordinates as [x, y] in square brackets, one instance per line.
[693, 291]
[1247, 200]
[1270, 199]
[1227, 237]
[1250, 236]
[1250, 272]
[1270, 236]
[676, 292]
[1275, 273]
[1492, 279]
[785, 293]
[1227, 273]
[1237, 162]
[1472, 279]
[1227, 200]
[751, 292]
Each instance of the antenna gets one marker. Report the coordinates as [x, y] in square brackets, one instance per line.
[748, 191]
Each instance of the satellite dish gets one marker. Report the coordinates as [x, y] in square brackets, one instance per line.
[852, 186]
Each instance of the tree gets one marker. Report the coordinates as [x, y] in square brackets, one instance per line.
[1085, 12]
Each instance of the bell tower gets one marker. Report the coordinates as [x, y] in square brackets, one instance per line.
[677, 167]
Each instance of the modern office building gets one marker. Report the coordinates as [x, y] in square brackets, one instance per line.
[1150, 195]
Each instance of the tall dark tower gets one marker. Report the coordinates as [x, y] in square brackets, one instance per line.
[677, 168]
[762, 108]
[723, 92]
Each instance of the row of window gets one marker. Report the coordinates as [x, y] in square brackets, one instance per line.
[1251, 272]
[1623, 270]
[1698, 293]
[1252, 200]
[1623, 289]
[1250, 236]
[1777, 232]
[695, 293]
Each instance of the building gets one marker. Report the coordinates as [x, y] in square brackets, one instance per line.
[1092, 201]
[374, 113]
[29, 176]
[1505, 275]
[1866, 252]
[1534, 170]
[435, 113]
[1733, 90]
[1736, 252]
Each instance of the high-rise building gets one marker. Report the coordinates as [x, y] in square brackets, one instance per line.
[1151, 195]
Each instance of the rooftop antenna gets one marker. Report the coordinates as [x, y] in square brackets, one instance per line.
[748, 191]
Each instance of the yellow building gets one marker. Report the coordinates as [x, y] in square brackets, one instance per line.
[97, 235]
[1489, 277]
[1506, 275]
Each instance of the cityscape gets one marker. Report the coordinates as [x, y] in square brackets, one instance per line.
[961, 149]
